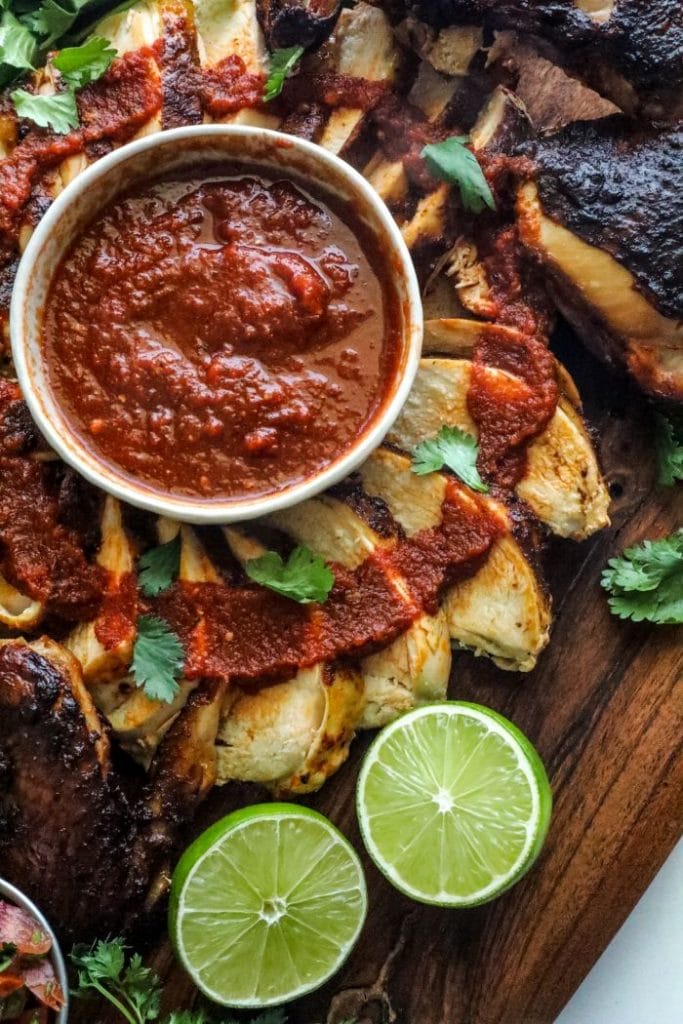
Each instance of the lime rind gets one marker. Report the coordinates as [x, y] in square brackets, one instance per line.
[314, 887]
[396, 785]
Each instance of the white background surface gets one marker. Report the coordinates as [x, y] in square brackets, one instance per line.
[639, 977]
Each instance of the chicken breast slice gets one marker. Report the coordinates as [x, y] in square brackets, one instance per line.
[502, 611]
[599, 296]
[103, 666]
[230, 28]
[18, 611]
[364, 47]
[562, 484]
[138, 722]
[431, 93]
[293, 735]
[415, 667]
[289, 736]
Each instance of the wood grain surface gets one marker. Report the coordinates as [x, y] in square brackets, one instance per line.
[605, 709]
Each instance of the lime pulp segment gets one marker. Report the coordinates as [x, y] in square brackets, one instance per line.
[266, 905]
[454, 804]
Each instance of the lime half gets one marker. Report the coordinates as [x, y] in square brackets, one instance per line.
[266, 905]
[454, 804]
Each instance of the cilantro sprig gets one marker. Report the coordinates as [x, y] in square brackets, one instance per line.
[27, 33]
[122, 980]
[454, 448]
[669, 449]
[107, 968]
[282, 64]
[453, 162]
[159, 567]
[158, 659]
[304, 577]
[646, 581]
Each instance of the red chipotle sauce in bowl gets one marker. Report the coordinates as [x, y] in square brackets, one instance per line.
[222, 335]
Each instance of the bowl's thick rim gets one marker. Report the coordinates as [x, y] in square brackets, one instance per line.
[17, 896]
[191, 510]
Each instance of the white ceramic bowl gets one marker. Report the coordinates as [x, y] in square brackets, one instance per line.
[178, 151]
[16, 896]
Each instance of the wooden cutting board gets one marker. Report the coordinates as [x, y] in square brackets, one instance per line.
[605, 709]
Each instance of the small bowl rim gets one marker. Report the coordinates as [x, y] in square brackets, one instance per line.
[20, 898]
[179, 507]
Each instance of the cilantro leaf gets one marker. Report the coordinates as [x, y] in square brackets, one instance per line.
[159, 567]
[282, 63]
[304, 577]
[669, 449]
[17, 47]
[158, 658]
[452, 161]
[134, 990]
[104, 960]
[454, 448]
[646, 581]
[143, 989]
[57, 112]
[52, 18]
[80, 65]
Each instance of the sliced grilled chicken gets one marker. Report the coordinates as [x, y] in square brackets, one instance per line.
[141, 26]
[604, 216]
[290, 736]
[414, 667]
[104, 647]
[431, 93]
[562, 483]
[363, 46]
[628, 50]
[413, 670]
[17, 611]
[502, 610]
[138, 722]
[501, 121]
[230, 38]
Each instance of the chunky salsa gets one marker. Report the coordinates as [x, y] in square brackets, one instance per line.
[224, 334]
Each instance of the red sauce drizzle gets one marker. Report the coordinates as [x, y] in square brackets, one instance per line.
[511, 414]
[113, 108]
[117, 618]
[228, 87]
[249, 634]
[39, 554]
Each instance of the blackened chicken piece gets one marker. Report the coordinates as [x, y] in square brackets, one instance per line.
[90, 840]
[628, 50]
[604, 215]
[68, 831]
[306, 23]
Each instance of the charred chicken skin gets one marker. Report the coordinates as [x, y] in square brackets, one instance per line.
[69, 831]
[628, 50]
[603, 214]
